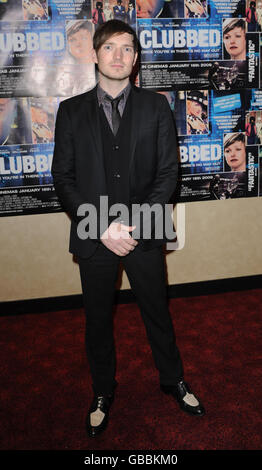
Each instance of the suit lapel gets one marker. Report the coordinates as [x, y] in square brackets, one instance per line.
[93, 121]
[136, 107]
[93, 126]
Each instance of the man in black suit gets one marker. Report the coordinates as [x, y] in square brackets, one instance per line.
[119, 11]
[117, 144]
[131, 14]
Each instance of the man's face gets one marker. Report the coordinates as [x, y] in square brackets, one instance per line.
[235, 43]
[116, 57]
[80, 44]
[235, 155]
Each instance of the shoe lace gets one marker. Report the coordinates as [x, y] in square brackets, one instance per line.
[183, 387]
[100, 401]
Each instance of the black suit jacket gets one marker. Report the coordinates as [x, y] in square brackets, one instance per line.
[78, 163]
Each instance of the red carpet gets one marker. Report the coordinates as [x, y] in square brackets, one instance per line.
[46, 391]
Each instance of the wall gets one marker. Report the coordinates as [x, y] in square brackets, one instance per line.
[223, 240]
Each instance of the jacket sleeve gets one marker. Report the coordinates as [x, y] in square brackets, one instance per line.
[63, 165]
[167, 167]
[166, 174]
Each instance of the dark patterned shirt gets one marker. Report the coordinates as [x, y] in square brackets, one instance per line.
[107, 107]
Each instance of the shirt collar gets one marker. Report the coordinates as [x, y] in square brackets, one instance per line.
[101, 94]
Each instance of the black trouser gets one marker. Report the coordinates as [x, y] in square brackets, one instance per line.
[146, 274]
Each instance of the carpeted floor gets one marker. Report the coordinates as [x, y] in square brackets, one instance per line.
[45, 387]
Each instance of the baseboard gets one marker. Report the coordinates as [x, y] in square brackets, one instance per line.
[72, 302]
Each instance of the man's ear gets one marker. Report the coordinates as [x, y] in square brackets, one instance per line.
[135, 58]
[94, 56]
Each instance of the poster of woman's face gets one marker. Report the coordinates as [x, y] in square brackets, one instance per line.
[234, 39]
[235, 151]
[79, 35]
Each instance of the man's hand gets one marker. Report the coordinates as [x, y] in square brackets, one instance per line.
[117, 239]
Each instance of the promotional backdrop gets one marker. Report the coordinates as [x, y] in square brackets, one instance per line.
[203, 55]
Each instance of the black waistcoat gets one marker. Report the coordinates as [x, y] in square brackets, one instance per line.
[116, 150]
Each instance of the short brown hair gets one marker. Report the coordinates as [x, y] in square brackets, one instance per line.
[110, 28]
[73, 26]
[234, 23]
[232, 138]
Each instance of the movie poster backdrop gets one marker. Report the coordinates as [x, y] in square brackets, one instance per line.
[202, 55]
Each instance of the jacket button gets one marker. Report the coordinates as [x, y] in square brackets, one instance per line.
[117, 175]
[116, 147]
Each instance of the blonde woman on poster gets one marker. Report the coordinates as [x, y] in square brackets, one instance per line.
[34, 10]
[196, 105]
[108, 12]
[195, 9]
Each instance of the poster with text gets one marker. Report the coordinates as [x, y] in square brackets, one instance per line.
[204, 56]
